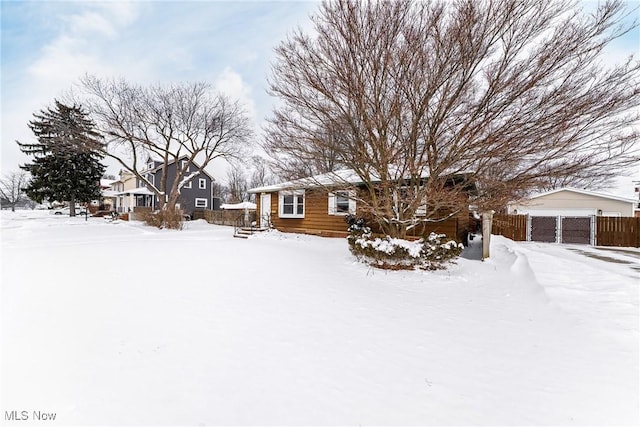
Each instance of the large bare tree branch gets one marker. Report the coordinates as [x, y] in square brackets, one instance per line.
[166, 123]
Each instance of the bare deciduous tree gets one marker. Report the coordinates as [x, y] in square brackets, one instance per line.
[166, 123]
[421, 99]
[237, 185]
[12, 189]
[260, 176]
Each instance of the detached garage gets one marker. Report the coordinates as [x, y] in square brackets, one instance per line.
[569, 215]
[572, 202]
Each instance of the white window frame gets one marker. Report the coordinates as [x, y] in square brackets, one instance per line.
[188, 184]
[298, 196]
[199, 199]
[333, 202]
[182, 165]
[202, 183]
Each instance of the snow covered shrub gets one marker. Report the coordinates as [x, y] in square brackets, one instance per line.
[430, 253]
[356, 225]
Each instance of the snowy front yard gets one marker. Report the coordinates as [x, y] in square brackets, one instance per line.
[122, 324]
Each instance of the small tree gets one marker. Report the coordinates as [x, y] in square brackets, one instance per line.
[420, 99]
[66, 164]
[166, 123]
[12, 189]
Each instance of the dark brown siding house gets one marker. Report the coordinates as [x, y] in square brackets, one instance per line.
[318, 205]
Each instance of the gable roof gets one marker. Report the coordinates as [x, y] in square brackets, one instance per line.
[586, 193]
[161, 164]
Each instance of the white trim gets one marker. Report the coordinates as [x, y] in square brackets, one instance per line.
[265, 210]
[188, 184]
[198, 199]
[298, 196]
[333, 203]
[202, 183]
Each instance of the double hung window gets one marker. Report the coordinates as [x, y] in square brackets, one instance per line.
[291, 204]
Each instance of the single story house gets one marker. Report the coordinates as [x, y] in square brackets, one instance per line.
[573, 202]
[318, 205]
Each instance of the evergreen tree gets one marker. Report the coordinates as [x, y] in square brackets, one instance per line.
[66, 165]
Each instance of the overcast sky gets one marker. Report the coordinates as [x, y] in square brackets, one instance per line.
[47, 46]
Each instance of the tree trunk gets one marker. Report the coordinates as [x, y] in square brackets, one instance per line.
[72, 205]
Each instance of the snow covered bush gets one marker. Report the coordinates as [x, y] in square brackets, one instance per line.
[429, 253]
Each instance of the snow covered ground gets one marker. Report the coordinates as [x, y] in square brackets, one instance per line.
[122, 324]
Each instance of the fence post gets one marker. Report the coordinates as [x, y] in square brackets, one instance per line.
[487, 220]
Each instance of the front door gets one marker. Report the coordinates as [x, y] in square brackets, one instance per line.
[265, 210]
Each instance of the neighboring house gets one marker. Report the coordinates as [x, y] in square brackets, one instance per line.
[574, 202]
[195, 194]
[130, 192]
[108, 196]
[127, 194]
[318, 205]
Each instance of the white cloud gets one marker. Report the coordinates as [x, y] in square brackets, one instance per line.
[92, 22]
[231, 84]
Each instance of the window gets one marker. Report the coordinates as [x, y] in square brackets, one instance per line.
[150, 165]
[187, 185]
[182, 165]
[202, 183]
[291, 204]
[342, 203]
[201, 203]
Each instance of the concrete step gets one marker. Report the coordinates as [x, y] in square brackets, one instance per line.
[254, 230]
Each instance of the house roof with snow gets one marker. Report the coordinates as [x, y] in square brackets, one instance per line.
[106, 183]
[335, 178]
[140, 191]
[586, 193]
[238, 206]
[345, 176]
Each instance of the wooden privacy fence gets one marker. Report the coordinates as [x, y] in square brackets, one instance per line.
[512, 226]
[225, 217]
[609, 231]
[618, 231]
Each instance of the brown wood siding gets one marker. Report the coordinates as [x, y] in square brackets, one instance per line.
[318, 221]
[316, 215]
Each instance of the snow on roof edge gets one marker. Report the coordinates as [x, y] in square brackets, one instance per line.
[585, 192]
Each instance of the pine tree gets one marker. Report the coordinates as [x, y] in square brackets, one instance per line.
[66, 165]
